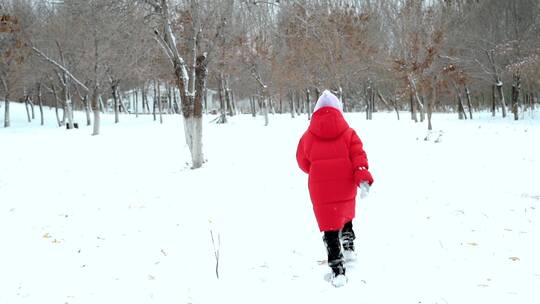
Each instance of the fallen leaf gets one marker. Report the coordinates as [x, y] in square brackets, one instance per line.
[483, 285]
[515, 259]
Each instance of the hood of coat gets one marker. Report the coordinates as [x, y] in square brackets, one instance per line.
[327, 123]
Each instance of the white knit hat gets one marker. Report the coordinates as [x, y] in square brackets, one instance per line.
[327, 99]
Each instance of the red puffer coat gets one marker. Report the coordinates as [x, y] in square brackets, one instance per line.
[332, 154]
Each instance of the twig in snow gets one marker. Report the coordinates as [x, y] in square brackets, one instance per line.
[216, 250]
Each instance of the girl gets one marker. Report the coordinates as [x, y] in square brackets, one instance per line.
[332, 154]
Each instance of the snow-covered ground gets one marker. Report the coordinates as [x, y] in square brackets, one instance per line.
[120, 217]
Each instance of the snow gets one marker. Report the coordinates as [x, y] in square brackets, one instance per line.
[120, 217]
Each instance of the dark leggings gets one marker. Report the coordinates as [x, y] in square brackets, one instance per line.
[347, 228]
[333, 245]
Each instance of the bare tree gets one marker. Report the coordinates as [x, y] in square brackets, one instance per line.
[191, 101]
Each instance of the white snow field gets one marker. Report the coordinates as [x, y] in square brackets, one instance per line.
[120, 217]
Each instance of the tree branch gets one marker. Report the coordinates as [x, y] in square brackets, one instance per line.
[257, 77]
[153, 4]
[163, 45]
[61, 67]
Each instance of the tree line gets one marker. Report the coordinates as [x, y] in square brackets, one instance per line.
[415, 55]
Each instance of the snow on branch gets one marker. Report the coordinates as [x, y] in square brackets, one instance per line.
[164, 45]
[61, 67]
[257, 77]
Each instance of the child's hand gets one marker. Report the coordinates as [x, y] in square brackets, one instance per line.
[362, 175]
[364, 189]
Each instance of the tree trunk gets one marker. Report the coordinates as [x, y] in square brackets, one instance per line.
[175, 100]
[7, 122]
[300, 103]
[417, 98]
[27, 106]
[317, 94]
[396, 108]
[340, 96]
[498, 83]
[501, 97]
[60, 123]
[413, 108]
[253, 106]
[122, 104]
[460, 107]
[115, 102]
[367, 96]
[191, 103]
[154, 101]
[67, 102]
[431, 102]
[265, 109]
[516, 87]
[31, 103]
[233, 101]
[40, 104]
[422, 108]
[102, 107]
[136, 101]
[145, 105]
[192, 124]
[272, 105]
[86, 105]
[493, 102]
[143, 108]
[373, 109]
[372, 103]
[293, 110]
[205, 99]
[308, 104]
[96, 110]
[222, 101]
[169, 100]
[469, 105]
[160, 104]
[383, 100]
[227, 92]
[196, 116]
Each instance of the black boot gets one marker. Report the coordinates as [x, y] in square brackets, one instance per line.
[333, 247]
[348, 237]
